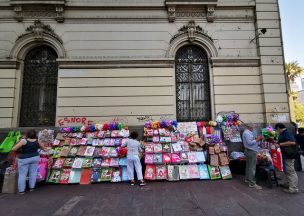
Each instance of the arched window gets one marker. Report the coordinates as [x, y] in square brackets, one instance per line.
[39, 88]
[192, 84]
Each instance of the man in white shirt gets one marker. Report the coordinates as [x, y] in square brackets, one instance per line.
[251, 149]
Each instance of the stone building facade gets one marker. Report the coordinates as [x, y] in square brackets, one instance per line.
[66, 62]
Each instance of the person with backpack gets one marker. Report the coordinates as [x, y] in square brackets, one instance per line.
[287, 143]
[28, 160]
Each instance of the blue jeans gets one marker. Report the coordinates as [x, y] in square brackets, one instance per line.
[27, 166]
[131, 163]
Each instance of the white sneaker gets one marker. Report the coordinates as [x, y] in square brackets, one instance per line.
[258, 187]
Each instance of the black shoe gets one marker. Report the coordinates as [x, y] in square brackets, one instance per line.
[284, 185]
[21, 193]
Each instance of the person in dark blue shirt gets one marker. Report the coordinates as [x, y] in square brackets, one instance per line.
[287, 143]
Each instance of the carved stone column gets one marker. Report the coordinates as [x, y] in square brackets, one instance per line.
[171, 13]
[210, 13]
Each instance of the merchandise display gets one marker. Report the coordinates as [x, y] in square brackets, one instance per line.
[184, 150]
[90, 154]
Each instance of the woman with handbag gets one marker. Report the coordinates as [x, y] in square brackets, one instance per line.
[28, 160]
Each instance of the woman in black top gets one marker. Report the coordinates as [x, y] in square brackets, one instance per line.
[28, 160]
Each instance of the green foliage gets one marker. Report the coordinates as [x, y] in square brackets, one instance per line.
[293, 70]
[299, 112]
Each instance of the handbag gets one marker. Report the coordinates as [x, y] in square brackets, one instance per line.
[8, 143]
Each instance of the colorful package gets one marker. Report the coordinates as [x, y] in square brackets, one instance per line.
[175, 158]
[177, 147]
[75, 176]
[101, 134]
[58, 163]
[73, 142]
[157, 159]
[86, 176]
[116, 175]
[225, 172]
[87, 162]
[65, 151]
[68, 162]
[166, 158]
[156, 139]
[96, 175]
[150, 172]
[97, 152]
[114, 162]
[184, 157]
[73, 151]
[200, 156]
[41, 169]
[203, 171]
[155, 132]
[183, 172]
[167, 148]
[193, 171]
[56, 152]
[81, 151]
[214, 160]
[173, 173]
[223, 159]
[83, 141]
[113, 152]
[117, 142]
[214, 172]
[97, 163]
[106, 162]
[149, 148]
[123, 161]
[106, 174]
[115, 133]
[95, 142]
[124, 174]
[161, 172]
[158, 148]
[107, 142]
[149, 159]
[192, 157]
[54, 176]
[65, 176]
[77, 163]
[89, 151]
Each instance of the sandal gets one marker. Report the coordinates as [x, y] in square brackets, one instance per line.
[142, 183]
[132, 183]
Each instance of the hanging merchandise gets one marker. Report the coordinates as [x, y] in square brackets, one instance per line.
[86, 176]
[8, 143]
[150, 172]
[173, 173]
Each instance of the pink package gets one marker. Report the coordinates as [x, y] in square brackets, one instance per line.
[149, 159]
[175, 158]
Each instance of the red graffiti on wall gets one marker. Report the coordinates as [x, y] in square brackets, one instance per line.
[73, 121]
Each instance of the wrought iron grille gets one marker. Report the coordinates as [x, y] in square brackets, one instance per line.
[192, 84]
[39, 88]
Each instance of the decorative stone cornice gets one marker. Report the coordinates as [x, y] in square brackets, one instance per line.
[192, 31]
[176, 7]
[39, 30]
[9, 64]
[35, 9]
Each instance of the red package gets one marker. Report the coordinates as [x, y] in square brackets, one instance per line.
[65, 175]
[277, 159]
[86, 176]
[166, 158]
[150, 172]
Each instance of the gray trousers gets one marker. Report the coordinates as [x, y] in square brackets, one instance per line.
[251, 161]
[290, 173]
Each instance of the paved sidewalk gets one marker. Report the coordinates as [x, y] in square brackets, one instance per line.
[187, 198]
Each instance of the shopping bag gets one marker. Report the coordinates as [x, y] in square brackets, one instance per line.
[8, 143]
[193, 171]
[41, 170]
[96, 174]
[173, 173]
[214, 172]
[116, 175]
[161, 172]
[150, 172]
[276, 156]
